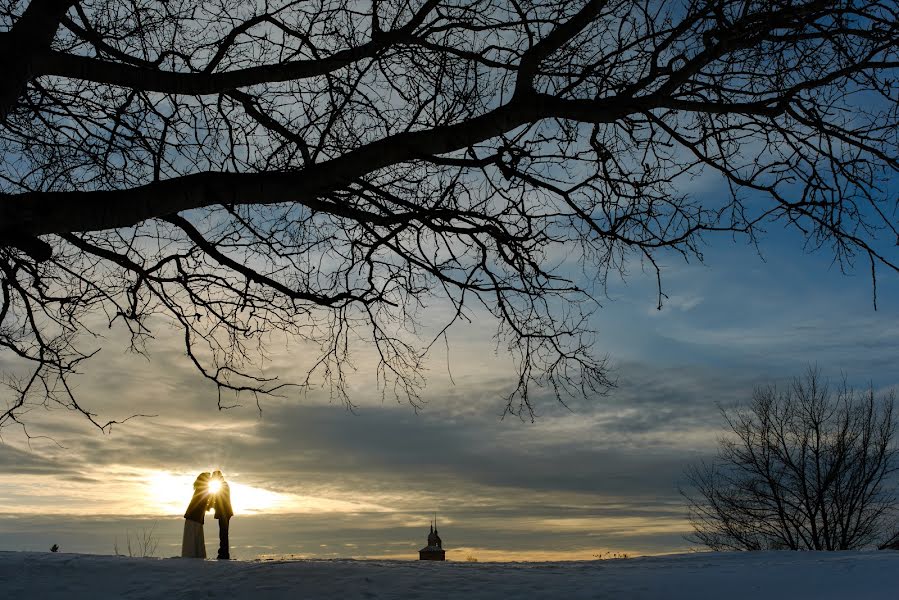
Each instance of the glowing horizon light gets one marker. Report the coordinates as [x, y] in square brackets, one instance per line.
[246, 499]
[164, 492]
[169, 493]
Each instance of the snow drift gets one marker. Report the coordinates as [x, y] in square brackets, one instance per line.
[732, 576]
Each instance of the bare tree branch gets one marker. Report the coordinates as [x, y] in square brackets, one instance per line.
[337, 173]
[801, 469]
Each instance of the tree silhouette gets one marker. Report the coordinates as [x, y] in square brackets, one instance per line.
[329, 170]
[800, 469]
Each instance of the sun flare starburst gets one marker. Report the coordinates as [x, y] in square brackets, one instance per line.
[169, 493]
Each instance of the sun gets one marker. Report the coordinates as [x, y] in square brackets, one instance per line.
[214, 486]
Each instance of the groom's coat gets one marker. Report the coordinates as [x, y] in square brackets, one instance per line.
[222, 502]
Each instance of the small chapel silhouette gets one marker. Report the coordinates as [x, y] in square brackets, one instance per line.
[434, 550]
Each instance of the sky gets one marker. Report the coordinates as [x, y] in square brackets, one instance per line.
[312, 479]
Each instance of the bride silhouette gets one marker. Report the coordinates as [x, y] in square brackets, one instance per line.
[193, 544]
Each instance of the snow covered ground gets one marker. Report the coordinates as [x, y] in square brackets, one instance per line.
[732, 576]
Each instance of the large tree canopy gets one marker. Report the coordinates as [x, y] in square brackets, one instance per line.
[331, 168]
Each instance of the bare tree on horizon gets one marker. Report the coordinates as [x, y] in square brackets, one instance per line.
[802, 468]
[329, 170]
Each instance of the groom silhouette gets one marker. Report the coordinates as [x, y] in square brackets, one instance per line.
[221, 501]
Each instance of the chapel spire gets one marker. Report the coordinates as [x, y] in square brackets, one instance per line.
[434, 550]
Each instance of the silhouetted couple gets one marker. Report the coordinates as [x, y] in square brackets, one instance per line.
[210, 491]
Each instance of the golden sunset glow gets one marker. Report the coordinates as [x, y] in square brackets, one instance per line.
[248, 499]
[215, 486]
[169, 493]
[155, 493]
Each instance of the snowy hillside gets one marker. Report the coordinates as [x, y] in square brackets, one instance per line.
[768, 576]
